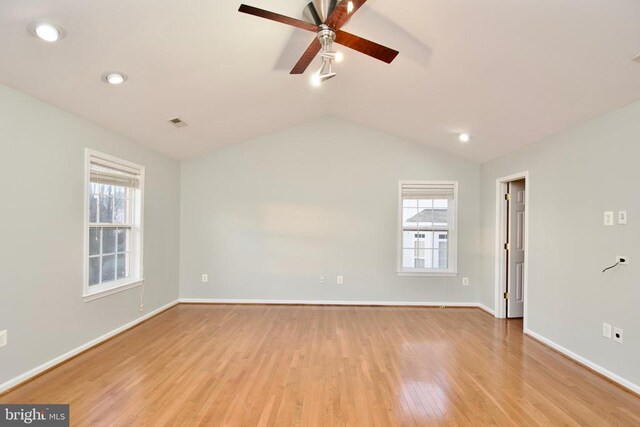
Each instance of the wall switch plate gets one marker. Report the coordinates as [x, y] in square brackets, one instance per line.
[340, 280]
[622, 217]
[608, 218]
[205, 278]
[617, 334]
[465, 281]
[622, 260]
[606, 330]
[323, 280]
[3, 338]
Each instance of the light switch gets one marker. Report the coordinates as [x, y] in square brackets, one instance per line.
[608, 218]
[622, 217]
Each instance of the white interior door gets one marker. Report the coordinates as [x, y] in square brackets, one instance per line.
[515, 273]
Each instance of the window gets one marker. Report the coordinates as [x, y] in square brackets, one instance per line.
[113, 225]
[427, 233]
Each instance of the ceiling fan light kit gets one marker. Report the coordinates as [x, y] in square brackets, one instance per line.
[326, 18]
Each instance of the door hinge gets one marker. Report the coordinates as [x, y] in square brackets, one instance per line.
[507, 295]
[507, 246]
[507, 196]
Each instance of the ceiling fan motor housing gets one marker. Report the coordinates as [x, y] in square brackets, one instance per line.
[317, 11]
[326, 35]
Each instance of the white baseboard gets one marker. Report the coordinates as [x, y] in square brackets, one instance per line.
[483, 307]
[39, 369]
[325, 302]
[586, 362]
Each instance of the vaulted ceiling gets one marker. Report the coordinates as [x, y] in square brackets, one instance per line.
[509, 72]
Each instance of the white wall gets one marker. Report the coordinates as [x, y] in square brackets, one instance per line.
[266, 218]
[41, 229]
[574, 177]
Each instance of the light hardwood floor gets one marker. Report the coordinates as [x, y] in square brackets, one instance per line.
[306, 365]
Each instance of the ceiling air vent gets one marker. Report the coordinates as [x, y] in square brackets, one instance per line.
[178, 122]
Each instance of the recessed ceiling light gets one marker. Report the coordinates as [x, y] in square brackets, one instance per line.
[464, 137]
[636, 58]
[114, 77]
[46, 31]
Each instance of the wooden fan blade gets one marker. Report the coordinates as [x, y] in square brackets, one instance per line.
[367, 47]
[307, 57]
[277, 17]
[340, 14]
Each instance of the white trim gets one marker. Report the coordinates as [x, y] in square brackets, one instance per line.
[53, 362]
[113, 290]
[586, 362]
[499, 310]
[136, 258]
[452, 261]
[326, 302]
[487, 309]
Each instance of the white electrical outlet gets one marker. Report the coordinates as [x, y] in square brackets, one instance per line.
[3, 338]
[322, 280]
[465, 281]
[608, 218]
[622, 217]
[606, 330]
[622, 260]
[617, 334]
[340, 280]
[205, 278]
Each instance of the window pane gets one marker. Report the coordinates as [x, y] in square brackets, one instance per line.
[122, 239]
[108, 268]
[425, 203]
[120, 210]
[419, 243]
[122, 266]
[94, 271]
[409, 203]
[106, 209]
[106, 190]
[409, 239]
[94, 241]
[426, 259]
[409, 216]
[441, 212]
[93, 208]
[408, 258]
[108, 240]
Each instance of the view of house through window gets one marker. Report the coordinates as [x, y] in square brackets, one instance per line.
[428, 225]
[114, 223]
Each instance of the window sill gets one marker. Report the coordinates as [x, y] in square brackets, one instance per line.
[428, 273]
[130, 284]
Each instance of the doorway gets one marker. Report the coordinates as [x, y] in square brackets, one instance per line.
[512, 223]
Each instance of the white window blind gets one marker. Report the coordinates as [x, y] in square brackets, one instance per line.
[427, 191]
[109, 173]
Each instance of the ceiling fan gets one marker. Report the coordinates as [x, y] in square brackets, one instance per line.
[326, 18]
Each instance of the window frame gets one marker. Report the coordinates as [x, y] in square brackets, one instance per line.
[452, 263]
[136, 252]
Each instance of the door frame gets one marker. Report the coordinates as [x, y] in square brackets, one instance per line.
[500, 258]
